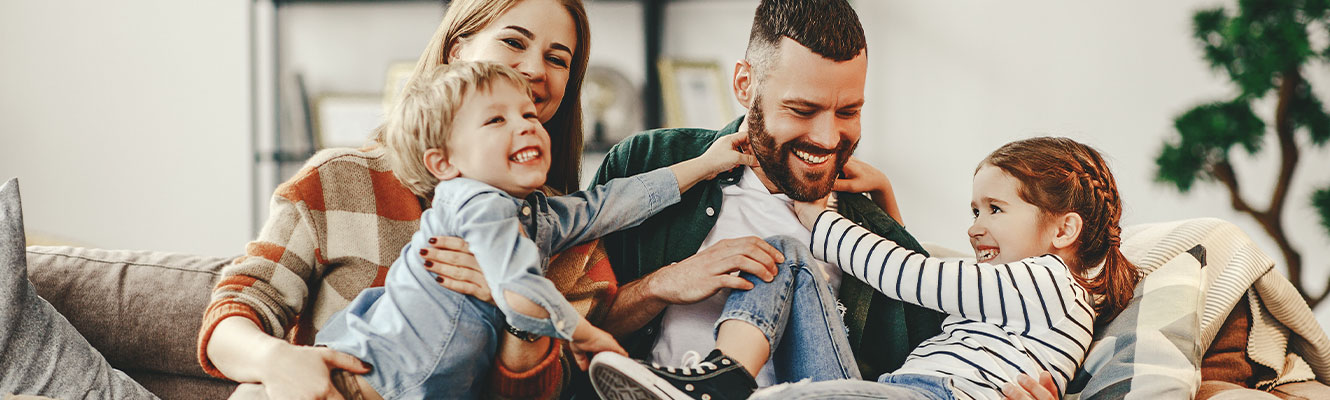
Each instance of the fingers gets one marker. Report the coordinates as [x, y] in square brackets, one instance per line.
[1013, 391]
[1046, 381]
[453, 257]
[449, 243]
[763, 271]
[582, 361]
[1034, 388]
[734, 282]
[467, 288]
[748, 160]
[340, 360]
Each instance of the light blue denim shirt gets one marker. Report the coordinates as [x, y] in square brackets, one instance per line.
[513, 238]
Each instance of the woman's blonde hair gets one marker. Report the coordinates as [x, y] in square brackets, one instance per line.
[422, 119]
[466, 17]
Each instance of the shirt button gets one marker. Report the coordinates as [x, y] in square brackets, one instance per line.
[526, 210]
[711, 212]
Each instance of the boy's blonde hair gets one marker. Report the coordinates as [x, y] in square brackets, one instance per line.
[423, 116]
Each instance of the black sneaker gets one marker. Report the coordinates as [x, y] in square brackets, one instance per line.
[718, 377]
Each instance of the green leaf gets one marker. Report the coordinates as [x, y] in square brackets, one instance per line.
[1179, 166]
[1306, 112]
[1321, 201]
[1220, 126]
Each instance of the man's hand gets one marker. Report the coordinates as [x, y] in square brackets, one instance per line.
[1029, 389]
[589, 339]
[698, 277]
[303, 372]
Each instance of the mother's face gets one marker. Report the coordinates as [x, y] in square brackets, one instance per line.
[535, 37]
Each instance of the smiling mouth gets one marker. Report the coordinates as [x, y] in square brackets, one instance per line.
[810, 158]
[986, 254]
[525, 155]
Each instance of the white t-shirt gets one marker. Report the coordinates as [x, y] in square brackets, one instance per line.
[748, 209]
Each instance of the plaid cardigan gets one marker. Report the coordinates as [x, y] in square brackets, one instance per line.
[333, 230]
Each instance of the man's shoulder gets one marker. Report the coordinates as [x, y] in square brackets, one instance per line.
[667, 144]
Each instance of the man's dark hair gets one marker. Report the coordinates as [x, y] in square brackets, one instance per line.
[830, 28]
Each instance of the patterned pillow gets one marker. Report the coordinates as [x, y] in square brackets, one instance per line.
[1149, 351]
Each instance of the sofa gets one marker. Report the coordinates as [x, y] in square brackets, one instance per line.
[142, 310]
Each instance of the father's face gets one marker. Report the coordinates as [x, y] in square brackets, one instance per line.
[803, 122]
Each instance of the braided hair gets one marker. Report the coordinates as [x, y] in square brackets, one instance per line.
[1060, 175]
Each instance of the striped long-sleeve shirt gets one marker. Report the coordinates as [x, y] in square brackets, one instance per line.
[1003, 320]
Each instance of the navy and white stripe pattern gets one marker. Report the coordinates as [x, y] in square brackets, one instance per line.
[1003, 320]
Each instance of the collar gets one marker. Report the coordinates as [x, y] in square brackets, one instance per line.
[733, 176]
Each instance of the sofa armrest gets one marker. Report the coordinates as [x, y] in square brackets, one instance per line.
[142, 310]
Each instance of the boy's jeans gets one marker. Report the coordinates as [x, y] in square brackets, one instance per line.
[797, 313]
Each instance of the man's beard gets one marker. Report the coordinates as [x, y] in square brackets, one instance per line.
[806, 186]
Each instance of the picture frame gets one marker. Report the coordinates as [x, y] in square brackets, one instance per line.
[345, 120]
[695, 94]
[394, 80]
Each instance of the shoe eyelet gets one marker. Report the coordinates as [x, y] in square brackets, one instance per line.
[706, 397]
[688, 387]
[726, 362]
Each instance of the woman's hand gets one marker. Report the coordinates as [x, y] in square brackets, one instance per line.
[456, 267]
[860, 177]
[304, 372]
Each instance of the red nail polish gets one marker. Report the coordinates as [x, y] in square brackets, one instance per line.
[423, 251]
[433, 240]
[438, 279]
[429, 263]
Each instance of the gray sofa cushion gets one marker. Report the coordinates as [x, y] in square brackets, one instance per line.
[142, 309]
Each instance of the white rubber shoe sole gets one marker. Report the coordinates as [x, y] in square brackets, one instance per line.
[616, 377]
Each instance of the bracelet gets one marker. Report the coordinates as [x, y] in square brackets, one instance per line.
[521, 334]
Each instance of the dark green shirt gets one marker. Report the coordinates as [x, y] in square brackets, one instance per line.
[882, 331]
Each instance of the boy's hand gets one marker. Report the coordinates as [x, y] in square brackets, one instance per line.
[588, 339]
[808, 211]
[726, 153]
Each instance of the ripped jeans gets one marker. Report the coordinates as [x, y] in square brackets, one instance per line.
[798, 314]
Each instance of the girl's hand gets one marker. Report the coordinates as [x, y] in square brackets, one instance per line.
[1026, 388]
[808, 211]
[726, 153]
[860, 177]
[456, 267]
[305, 372]
[588, 339]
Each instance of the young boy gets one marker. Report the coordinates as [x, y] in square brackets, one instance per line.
[469, 133]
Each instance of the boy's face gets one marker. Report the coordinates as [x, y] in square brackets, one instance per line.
[497, 138]
[1006, 228]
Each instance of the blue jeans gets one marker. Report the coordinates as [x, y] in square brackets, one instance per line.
[797, 313]
[440, 343]
[896, 387]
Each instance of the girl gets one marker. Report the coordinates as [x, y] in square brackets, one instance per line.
[1047, 216]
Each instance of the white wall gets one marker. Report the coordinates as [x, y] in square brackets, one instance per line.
[128, 123]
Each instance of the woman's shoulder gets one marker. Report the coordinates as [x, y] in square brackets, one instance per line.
[361, 170]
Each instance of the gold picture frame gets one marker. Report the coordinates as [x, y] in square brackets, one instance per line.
[696, 94]
[394, 80]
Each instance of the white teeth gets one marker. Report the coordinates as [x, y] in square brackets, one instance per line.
[526, 155]
[811, 159]
[986, 255]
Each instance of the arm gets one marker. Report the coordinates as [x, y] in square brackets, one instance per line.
[1015, 295]
[860, 177]
[240, 335]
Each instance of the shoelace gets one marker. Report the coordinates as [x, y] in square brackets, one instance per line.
[692, 363]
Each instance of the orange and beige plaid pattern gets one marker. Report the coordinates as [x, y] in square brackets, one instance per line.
[333, 230]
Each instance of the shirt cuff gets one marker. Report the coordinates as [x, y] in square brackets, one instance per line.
[662, 187]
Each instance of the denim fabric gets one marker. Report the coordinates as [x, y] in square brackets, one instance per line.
[895, 387]
[424, 339]
[40, 352]
[798, 314]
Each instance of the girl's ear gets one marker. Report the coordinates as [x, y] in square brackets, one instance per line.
[1067, 228]
[454, 50]
[437, 164]
[743, 83]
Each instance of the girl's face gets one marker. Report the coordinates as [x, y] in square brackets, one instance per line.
[1006, 228]
[535, 37]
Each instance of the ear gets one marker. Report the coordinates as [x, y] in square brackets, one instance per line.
[437, 164]
[743, 83]
[1067, 229]
[455, 49]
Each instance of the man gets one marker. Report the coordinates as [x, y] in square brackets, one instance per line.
[802, 80]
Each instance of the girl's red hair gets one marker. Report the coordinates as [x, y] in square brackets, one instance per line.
[1060, 175]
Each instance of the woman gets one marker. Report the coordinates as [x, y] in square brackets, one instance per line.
[337, 225]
